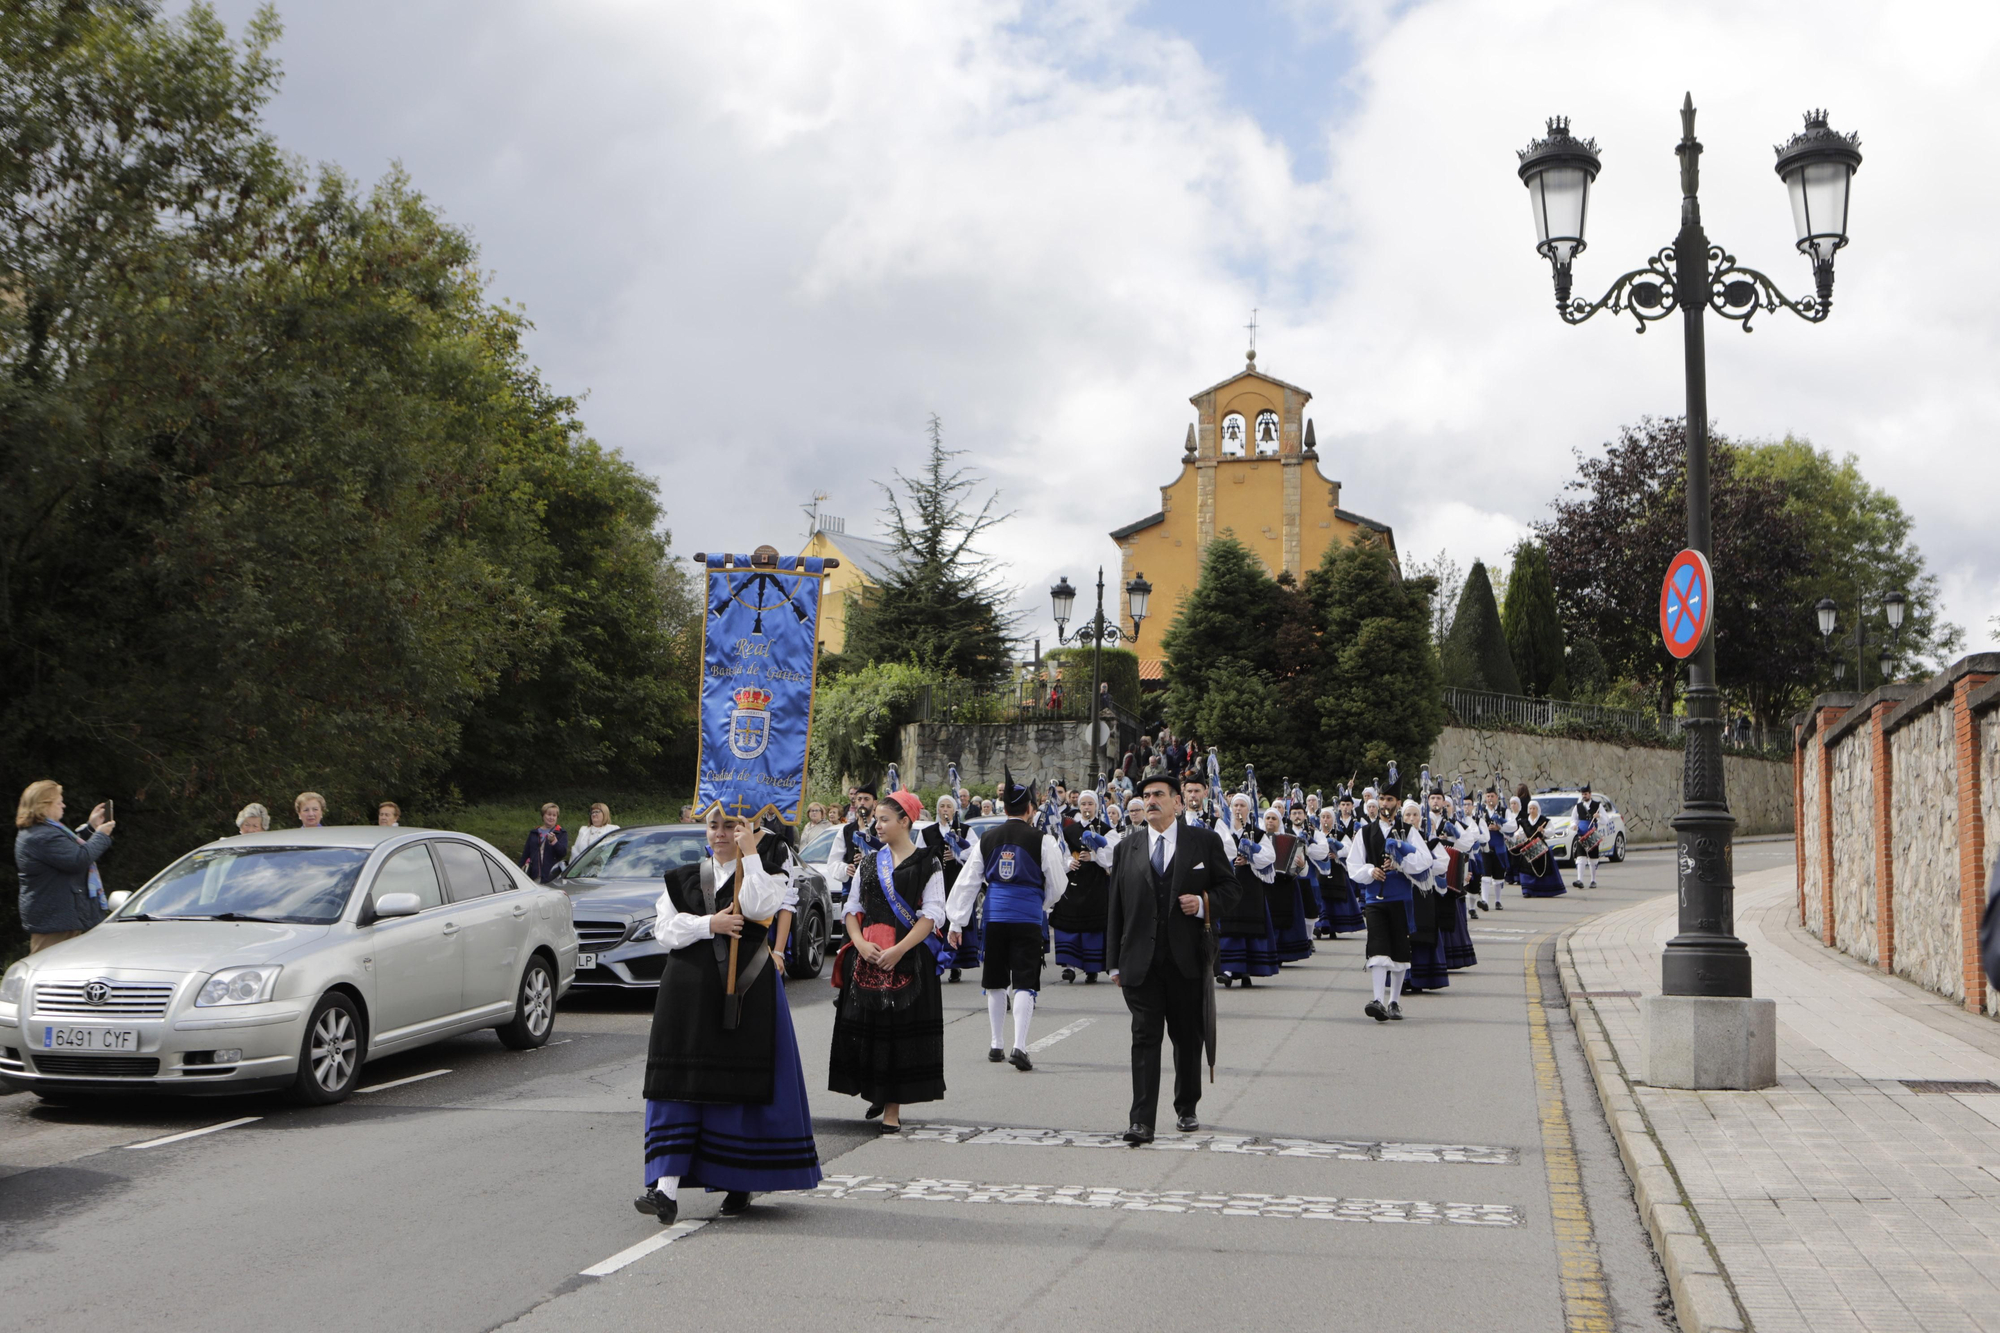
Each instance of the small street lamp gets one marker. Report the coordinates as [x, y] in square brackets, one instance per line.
[1097, 631]
[1893, 604]
[1705, 959]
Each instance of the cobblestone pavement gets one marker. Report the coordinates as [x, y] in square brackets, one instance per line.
[1843, 1198]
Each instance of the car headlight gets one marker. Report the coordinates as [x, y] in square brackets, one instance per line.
[238, 985]
[13, 984]
[644, 930]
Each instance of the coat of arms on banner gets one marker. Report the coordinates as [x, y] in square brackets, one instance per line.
[750, 723]
[1006, 867]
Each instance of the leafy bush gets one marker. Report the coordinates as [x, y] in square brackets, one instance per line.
[856, 721]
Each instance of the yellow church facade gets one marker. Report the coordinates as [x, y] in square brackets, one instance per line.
[1250, 469]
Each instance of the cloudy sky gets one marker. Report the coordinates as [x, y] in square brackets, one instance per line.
[776, 235]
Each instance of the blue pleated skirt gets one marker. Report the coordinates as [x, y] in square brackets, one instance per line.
[1291, 937]
[1428, 968]
[972, 939]
[1082, 950]
[1543, 886]
[1339, 911]
[1454, 932]
[735, 1146]
[1246, 957]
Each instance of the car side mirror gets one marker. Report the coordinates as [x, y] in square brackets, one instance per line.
[120, 898]
[398, 904]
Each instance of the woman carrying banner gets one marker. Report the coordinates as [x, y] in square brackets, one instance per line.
[888, 1022]
[725, 1095]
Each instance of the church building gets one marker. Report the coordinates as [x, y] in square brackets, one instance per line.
[1249, 470]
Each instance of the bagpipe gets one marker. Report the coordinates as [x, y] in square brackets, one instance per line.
[1218, 810]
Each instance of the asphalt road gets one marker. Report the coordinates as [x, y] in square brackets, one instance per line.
[478, 1198]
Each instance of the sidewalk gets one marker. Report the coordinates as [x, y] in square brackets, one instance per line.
[1840, 1199]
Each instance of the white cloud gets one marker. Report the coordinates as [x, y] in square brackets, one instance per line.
[774, 236]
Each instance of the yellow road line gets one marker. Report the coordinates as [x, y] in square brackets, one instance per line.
[1586, 1304]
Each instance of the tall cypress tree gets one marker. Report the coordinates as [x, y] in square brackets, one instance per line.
[1377, 682]
[1534, 634]
[1475, 652]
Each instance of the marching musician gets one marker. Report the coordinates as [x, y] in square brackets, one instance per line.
[1077, 920]
[1589, 838]
[1384, 859]
[1247, 950]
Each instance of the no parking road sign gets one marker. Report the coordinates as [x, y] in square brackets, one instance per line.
[1687, 603]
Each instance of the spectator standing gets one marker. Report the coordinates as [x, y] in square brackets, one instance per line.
[599, 825]
[816, 821]
[311, 809]
[547, 848]
[253, 818]
[389, 815]
[62, 894]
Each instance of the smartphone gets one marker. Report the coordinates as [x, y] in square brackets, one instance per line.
[110, 811]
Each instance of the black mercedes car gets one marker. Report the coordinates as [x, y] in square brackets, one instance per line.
[615, 890]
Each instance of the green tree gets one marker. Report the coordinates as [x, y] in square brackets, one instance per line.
[1475, 652]
[1534, 634]
[941, 607]
[282, 503]
[1223, 665]
[1377, 682]
[857, 724]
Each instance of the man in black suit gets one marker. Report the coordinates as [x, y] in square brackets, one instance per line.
[1169, 879]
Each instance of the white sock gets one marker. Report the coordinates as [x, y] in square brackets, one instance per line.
[996, 1014]
[1589, 872]
[669, 1186]
[1397, 971]
[1024, 1010]
[1380, 977]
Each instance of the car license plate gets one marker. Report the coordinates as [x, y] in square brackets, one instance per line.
[585, 961]
[90, 1039]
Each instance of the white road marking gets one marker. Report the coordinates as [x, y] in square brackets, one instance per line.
[1059, 1034]
[1342, 1150]
[399, 1082]
[1315, 1207]
[193, 1133]
[645, 1247]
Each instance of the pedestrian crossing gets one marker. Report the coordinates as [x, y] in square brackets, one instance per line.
[1332, 1150]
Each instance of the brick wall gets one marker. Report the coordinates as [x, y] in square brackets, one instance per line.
[1895, 794]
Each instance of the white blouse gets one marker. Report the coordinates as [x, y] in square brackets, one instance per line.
[933, 904]
[760, 898]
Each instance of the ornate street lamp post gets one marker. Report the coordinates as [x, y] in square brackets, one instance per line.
[1893, 604]
[1097, 631]
[1705, 960]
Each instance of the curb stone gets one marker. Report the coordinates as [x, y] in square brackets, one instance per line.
[1704, 1298]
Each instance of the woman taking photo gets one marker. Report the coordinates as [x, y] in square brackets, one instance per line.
[61, 893]
[888, 1022]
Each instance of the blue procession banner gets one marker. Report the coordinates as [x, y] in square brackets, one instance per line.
[759, 652]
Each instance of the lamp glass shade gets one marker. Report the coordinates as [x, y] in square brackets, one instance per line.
[1064, 598]
[1137, 593]
[1885, 665]
[1819, 206]
[1827, 611]
[1559, 197]
[1893, 604]
[1840, 668]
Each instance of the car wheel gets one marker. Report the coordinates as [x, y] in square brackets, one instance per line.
[534, 1008]
[330, 1054]
[810, 953]
[1618, 849]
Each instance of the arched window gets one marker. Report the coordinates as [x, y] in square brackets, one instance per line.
[1267, 432]
[1233, 435]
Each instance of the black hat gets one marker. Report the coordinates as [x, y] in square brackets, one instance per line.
[1014, 796]
[1160, 779]
[866, 789]
[1584, 788]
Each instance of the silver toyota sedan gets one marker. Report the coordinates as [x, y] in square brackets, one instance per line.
[287, 960]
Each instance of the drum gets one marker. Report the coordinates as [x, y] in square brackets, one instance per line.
[1533, 848]
[1591, 844]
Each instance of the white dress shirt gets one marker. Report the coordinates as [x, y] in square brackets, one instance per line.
[972, 878]
[933, 905]
[760, 899]
[1359, 871]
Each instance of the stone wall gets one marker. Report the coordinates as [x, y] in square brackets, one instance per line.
[1910, 862]
[1925, 847]
[1811, 864]
[1036, 751]
[1644, 782]
[1854, 844]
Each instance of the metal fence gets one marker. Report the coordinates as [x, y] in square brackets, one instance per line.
[1475, 708]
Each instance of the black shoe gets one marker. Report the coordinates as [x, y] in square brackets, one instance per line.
[1090, 978]
[1395, 1011]
[994, 1055]
[1019, 1059]
[1375, 1010]
[1069, 973]
[1222, 980]
[734, 1203]
[1497, 904]
[1472, 913]
[1244, 981]
[874, 1109]
[1576, 884]
[954, 974]
[1138, 1134]
[887, 1129]
[1187, 1124]
[655, 1203]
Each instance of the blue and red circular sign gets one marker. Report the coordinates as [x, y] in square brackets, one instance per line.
[1687, 603]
